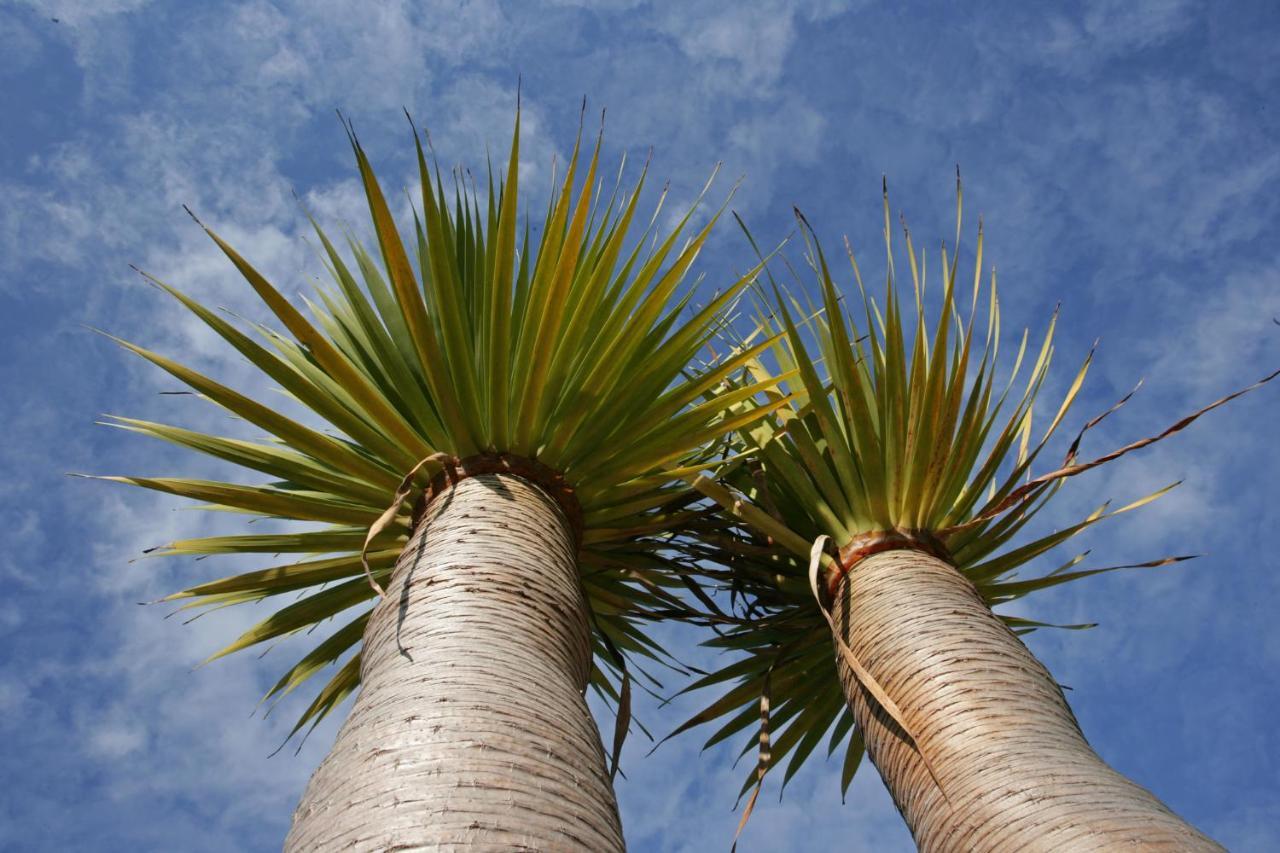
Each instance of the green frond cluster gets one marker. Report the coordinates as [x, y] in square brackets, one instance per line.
[572, 348]
[898, 423]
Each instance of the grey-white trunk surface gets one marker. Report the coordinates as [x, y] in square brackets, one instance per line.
[470, 730]
[1016, 771]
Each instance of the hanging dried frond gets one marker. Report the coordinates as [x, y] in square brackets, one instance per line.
[570, 351]
[897, 430]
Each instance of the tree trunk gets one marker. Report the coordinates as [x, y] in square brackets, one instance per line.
[471, 729]
[992, 722]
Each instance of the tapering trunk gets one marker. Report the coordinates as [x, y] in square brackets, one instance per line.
[993, 724]
[471, 729]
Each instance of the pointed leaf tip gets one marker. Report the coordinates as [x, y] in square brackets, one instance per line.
[799, 215]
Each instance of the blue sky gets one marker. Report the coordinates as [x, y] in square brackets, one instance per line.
[1123, 155]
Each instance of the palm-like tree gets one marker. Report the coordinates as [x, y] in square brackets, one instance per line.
[537, 392]
[901, 447]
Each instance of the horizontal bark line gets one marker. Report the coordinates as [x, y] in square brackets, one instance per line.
[551, 481]
[471, 728]
[1017, 771]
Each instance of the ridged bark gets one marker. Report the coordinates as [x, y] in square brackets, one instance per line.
[994, 725]
[471, 730]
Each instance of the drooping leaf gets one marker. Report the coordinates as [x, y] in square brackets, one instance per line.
[463, 336]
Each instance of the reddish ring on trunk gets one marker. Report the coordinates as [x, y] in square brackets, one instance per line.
[544, 477]
[864, 545]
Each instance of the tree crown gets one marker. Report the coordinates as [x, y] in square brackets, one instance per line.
[898, 433]
[570, 358]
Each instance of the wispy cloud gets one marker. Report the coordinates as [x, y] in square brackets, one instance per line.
[1123, 157]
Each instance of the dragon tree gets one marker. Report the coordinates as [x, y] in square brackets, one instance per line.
[874, 521]
[508, 410]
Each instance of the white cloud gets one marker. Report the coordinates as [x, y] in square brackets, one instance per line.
[12, 696]
[1091, 192]
[1106, 28]
[114, 741]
